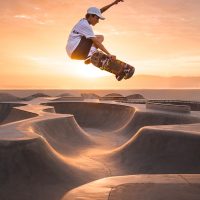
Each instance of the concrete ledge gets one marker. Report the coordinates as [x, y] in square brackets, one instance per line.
[68, 99]
[194, 105]
[169, 186]
[168, 107]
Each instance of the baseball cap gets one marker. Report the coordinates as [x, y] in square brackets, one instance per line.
[95, 11]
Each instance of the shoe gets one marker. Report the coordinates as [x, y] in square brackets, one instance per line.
[87, 60]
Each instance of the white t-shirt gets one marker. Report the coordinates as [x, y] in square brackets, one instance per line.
[82, 28]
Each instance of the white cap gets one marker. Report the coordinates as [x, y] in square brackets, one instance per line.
[95, 11]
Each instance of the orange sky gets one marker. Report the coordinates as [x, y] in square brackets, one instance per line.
[158, 37]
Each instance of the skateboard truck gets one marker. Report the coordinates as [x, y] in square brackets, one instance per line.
[87, 60]
[129, 72]
[120, 75]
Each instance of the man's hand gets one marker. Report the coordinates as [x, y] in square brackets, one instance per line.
[112, 57]
[110, 5]
[117, 1]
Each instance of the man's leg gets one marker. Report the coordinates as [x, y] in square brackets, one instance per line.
[82, 50]
[94, 48]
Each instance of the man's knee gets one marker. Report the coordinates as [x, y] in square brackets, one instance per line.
[100, 38]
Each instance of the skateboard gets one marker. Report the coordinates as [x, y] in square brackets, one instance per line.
[120, 69]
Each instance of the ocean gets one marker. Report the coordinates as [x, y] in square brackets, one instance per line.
[165, 94]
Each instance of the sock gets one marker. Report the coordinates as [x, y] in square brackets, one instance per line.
[92, 50]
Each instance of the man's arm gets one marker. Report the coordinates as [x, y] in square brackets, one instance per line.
[100, 46]
[110, 5]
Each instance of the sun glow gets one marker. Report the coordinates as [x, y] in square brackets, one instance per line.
[68, 67]
[88, 71]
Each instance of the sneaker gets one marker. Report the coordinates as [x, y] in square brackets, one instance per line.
[87, 60]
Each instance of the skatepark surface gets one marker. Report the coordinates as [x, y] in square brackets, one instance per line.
[70, 150]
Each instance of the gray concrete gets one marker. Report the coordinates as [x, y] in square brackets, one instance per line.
[168, 107]
[47, 150]
[143, 187]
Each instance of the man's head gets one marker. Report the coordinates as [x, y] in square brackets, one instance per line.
[93, 15]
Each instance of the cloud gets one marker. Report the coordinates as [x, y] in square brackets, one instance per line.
[23, 17]
[42, 20]
[39, 12]
[46, 61]
[175, 17]
[18, 6]
[177, 65]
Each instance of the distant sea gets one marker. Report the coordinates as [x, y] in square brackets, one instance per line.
[166, 94]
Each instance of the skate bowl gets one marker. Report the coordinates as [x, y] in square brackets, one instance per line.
[107, 117]
[68, 150]
[9, 112]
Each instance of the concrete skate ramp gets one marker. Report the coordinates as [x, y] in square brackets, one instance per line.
[161, 150]
[10, 113]
[100, 116]
[141, 187]
[151, 117]
[45, 156]
[63, 134]
[33, 168]
[30, 169]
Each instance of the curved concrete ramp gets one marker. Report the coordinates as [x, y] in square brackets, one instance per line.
[10, 112]
[45, 156]
[143, 118]
[63, 134]
[102, 116]
[30, 169]
[142, 187]
[118, 118]
[156, 150]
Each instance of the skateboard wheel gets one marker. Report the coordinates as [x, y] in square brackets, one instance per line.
[129, 74]
[119, 77]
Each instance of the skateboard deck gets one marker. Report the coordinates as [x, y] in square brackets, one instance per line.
[118, 68]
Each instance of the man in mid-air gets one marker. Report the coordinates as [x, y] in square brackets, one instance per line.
[82, 41]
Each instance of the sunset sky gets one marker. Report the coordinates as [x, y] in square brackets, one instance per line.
[158, 37]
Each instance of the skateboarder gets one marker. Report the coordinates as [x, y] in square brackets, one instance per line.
[82, 41]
